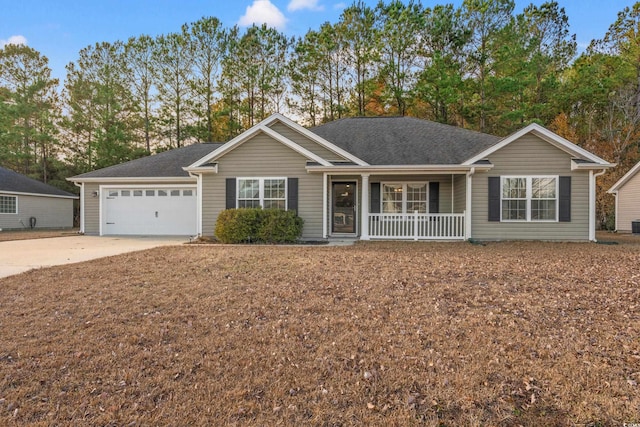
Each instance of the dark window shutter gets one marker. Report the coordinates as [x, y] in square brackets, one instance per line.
[434, 197]
[494, 198]
[292, 194]
[374, 198]
[231, 193]
[564, 198]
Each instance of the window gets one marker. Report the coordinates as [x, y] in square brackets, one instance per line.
[404, 198]
[175, 192]
[529, 198]
[162, 193]
[150, 193]
[8, 205]
[113, 193]
[187, 192]
[269, 193]
[137, 193]
[274, 194]
[125, 193]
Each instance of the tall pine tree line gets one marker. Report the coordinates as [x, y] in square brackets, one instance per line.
[480, 66]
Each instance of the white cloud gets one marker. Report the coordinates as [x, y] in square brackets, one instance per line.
[304, 4]
[263, 12]
[13, 40]
[339, 6]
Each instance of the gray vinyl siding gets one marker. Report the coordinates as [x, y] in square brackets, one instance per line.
[628, 204]
[262, 156]
[305, 142]
[49, 212]
[460, 193]
[531, 155]
[91, 209]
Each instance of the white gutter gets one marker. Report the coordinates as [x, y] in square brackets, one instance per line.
[467, 214]
[81, 186]
[21, 193]
[592, 203]
[590, 166]
[201, 169]
[115, 180]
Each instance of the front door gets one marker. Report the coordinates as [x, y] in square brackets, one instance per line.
[343, 207]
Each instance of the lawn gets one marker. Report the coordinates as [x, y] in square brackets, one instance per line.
[7, 235]
[448, 334]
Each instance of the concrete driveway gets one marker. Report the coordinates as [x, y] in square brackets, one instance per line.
[18, 256]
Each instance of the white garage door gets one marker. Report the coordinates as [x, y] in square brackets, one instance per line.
[161, 211]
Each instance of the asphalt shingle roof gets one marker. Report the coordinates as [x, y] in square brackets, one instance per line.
[376, 140]
[15, 182]
[166, 164]
[404, 140]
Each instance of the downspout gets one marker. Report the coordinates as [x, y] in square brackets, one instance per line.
[198, 178]
[81, 186]
[467, 215]
[592, 203]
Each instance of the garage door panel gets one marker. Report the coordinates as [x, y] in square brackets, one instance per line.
[150, 211]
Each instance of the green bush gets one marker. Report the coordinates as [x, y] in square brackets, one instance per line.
[236, 226]
[278, 226]
[246, 225]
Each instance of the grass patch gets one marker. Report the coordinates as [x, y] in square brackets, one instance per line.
[379, 333]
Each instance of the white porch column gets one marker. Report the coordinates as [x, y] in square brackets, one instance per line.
[364, 209]
[325, 205]
[467, 211]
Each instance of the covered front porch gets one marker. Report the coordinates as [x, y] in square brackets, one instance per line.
[416, 204]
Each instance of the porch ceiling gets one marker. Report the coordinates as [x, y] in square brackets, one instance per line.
[399, 169]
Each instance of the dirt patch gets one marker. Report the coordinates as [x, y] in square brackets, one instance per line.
[6, 236]
[619, 238]
[378, 333]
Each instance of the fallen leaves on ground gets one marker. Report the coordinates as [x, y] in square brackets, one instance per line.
[380, 333]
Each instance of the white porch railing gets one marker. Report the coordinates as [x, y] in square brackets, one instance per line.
[417, 226]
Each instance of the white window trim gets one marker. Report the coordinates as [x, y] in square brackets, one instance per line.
[16, 200]
[261, 189]
[529, 190]
[404, 185]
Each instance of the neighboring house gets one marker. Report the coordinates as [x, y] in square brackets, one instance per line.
[27, 203]
[371, 178]
[627, 193]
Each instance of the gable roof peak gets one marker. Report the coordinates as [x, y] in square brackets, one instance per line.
[546, 135]
[264, 127]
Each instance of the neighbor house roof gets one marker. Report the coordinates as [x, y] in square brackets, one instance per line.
[166, 164]
[13, 182]
[404, 140]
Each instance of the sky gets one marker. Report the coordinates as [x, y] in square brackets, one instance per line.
[59, 29]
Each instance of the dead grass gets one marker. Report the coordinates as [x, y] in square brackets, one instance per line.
[7, 235]
[391, 334]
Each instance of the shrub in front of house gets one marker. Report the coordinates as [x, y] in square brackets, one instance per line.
[253, 225]
[278, 226]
